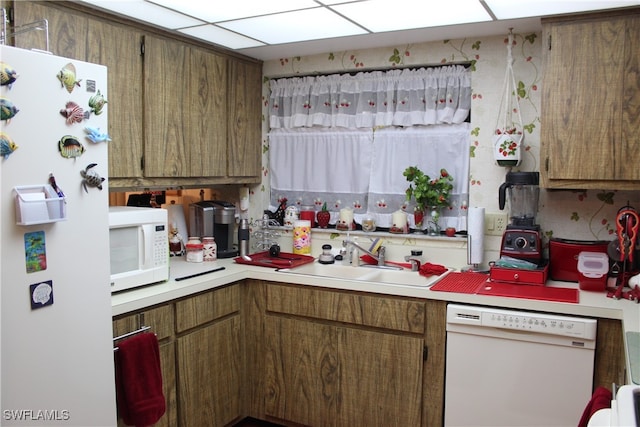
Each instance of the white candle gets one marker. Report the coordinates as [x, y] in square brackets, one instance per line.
[346, 217]
[399, 219]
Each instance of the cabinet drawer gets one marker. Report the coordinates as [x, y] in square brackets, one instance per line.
[380, 312]
[160, 319]
[206, 307]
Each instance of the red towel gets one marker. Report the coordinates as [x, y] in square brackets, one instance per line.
[139, 394]
[601, 399]
[429, 269]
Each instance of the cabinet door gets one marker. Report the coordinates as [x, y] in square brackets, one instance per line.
[245, 121]
[160, 321]
[380, 379]
[591, 103]
[302, 372]
[184, 110]
[209, 374]
[206, 132]
[67, 29]
[166, 69]
[119, 48]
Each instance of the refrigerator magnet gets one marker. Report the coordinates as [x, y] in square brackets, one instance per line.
[41, 294]
[35, 251]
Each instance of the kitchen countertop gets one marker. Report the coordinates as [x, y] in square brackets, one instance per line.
[592, 304]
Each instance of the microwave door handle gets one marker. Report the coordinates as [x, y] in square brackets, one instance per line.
[146, 251]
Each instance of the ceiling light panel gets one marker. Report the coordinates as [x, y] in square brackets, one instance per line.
[385, 15]
[309, 24]
[509, 9]
[220, 36]
[148, 12]
[216, 11]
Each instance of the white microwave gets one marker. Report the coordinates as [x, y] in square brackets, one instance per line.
[139, 246]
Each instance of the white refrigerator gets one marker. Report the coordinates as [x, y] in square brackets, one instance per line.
[56, 351]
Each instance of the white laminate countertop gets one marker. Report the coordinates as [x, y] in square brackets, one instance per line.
[591, 304]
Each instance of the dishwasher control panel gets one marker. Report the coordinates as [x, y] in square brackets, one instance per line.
[537, 323]
[488, 317]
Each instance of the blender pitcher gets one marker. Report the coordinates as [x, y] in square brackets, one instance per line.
[524, 192]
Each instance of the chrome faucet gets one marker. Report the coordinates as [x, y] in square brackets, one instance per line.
[415, 259]
[379, 256]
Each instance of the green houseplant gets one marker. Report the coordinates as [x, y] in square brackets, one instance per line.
[429, 194]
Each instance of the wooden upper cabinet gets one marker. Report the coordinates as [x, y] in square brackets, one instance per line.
[67, 31]
[185, 114]
[591, 102]
[119, 48]
[180, 114]
[245, 110]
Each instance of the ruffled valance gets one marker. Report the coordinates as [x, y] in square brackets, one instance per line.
[408, 97]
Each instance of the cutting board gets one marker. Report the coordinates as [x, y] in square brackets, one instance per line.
[285, 260]
[478, 283]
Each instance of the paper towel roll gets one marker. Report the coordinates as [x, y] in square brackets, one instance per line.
[475, 232]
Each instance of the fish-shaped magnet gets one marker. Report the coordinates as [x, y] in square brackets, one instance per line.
[8, 74]
[7, 146]
[95, 136]
[70, 147]
[7, 109]
[97, 103]
[74, 113]
[67, 77]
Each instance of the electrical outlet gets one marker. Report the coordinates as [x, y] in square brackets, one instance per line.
[495, 223]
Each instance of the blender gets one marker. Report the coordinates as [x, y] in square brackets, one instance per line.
[521, 240]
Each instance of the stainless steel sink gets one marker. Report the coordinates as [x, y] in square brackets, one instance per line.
[373, 274]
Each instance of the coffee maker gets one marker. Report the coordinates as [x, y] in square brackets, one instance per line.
[215, 218]
[522, 239]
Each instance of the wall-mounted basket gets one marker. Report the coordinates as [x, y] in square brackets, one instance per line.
[39, 204]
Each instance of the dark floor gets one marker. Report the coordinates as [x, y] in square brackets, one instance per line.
[252, 422]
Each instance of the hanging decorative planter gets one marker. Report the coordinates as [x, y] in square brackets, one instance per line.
[508, 135]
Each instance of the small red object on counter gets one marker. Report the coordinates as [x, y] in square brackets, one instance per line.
[428, 269]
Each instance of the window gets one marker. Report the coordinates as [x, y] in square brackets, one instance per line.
[346, 140]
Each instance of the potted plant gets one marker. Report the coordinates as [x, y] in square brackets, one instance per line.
[429, 194]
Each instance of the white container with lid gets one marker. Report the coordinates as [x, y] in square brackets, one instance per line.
[593, 268]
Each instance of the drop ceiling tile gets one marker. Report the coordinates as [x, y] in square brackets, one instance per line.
[216, 11]
[221, 36]
[309, 24]
[385, 15]
[509, 9]
[148, 12]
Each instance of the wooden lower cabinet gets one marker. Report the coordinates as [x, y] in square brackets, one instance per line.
[320, 371]
[209, 357]
[312, 356]
[208, 374]
[160, 321]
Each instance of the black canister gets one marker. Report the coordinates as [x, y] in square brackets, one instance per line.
[243, 237]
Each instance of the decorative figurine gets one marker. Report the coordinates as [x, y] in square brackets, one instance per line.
[176, 244]
[95, 136]
[97, 103]
[7, 146]
[7, 110]
[8, 75]
[70, 147]
[73, 113]
[67, 77]
[91, 178]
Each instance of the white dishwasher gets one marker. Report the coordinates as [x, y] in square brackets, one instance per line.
[516, 368]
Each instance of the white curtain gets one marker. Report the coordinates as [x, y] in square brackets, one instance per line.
[407, 97]
[362, 169]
